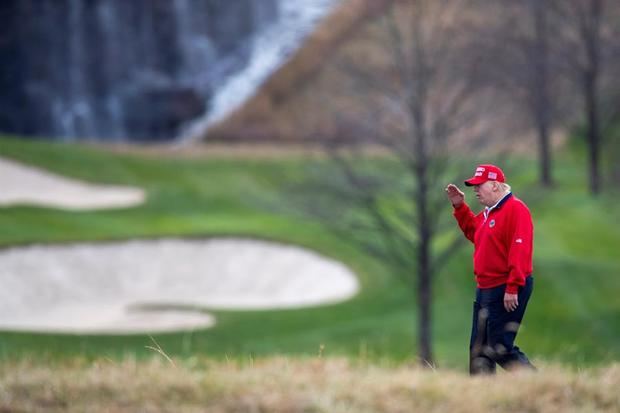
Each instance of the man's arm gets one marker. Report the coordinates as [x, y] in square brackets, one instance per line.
[521, 241]
[463, 214]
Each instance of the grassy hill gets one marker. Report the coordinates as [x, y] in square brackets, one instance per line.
[289, 385]
[574, 316]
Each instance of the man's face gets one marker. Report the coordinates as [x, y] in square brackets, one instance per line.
[486, 193]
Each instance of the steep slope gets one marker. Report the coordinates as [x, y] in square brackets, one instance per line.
[279, 109]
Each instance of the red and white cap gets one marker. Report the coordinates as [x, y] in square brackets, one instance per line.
[486, 173]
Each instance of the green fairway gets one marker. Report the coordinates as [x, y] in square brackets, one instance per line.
[574, 315]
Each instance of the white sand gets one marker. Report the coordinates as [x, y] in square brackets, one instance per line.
[25, 185]
[101, 288]
[145, 286]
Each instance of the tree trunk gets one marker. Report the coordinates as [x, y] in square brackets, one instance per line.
[542, 105]
[591, 34]
[424, 268]
[424, 294]
[424, 229]
[544, 154]
[593, 133]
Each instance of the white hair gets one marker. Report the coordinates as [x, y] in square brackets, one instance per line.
[505, 187]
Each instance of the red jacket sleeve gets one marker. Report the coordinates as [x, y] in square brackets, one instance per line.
[520, 247]
[466, 220]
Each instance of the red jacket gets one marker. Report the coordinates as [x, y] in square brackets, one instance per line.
[503, 243]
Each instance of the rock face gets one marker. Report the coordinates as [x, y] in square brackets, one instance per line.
[109, 69]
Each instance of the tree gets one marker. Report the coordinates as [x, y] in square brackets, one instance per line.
[519, 41]
[419, 98]
[539, 86]
[585, 48]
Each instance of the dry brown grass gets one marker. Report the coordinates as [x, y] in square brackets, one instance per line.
[297, 385]
[317, 95]
[277, 110]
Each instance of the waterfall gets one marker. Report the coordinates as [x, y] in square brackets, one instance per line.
[139, 70]
[75, 113]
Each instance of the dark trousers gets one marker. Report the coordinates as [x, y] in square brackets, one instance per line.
[494, 330]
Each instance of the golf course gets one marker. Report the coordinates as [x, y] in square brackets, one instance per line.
[573, 321]
[315, 206]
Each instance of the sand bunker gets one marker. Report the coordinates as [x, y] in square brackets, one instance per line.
[145, 286]
[25, 185]
[159, 285]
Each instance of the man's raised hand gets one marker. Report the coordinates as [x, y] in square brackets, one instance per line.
[455, 195]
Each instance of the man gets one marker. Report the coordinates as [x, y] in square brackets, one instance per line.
[503, 236]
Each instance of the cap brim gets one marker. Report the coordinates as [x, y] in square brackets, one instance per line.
[477, 180]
